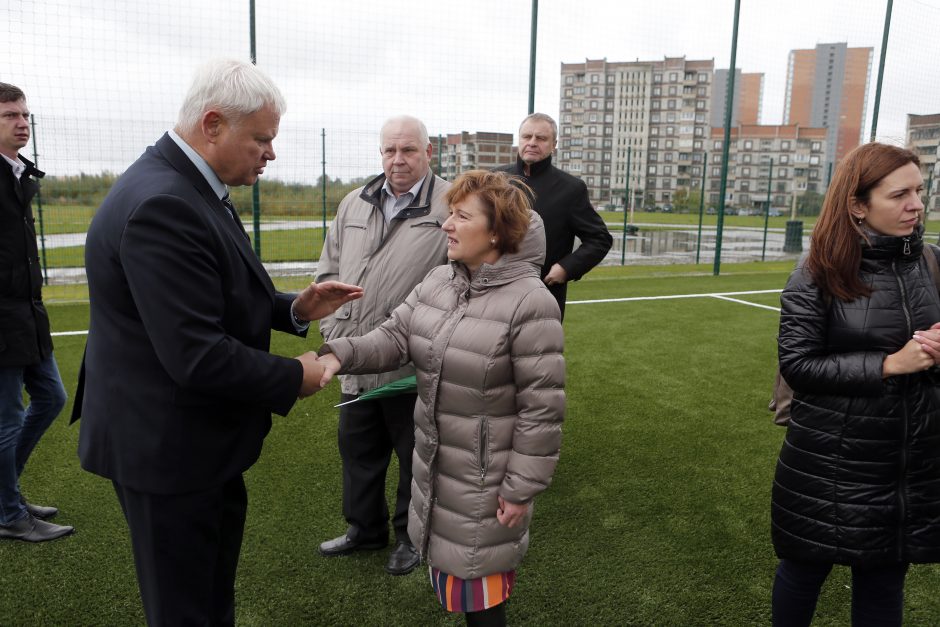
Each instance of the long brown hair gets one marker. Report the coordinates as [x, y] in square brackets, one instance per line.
[836, 251]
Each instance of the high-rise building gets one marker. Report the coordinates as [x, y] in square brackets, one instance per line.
[654, 114]
[923, 137]
[795, 153]
[827, 86]
[748, 97]
[469, 151]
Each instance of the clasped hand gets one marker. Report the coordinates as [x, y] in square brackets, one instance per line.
[919, 353]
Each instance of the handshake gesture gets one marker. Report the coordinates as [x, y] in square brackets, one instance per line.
[319, 300]
[320, 370]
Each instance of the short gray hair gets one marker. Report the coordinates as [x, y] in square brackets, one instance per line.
[235, 88]
[423, 136]
[542, 117]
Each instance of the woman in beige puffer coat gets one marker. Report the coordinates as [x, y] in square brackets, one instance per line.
[485, 337]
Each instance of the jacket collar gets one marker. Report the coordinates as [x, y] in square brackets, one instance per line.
[908, 248]
[419, 207]
[536, 168]
[31, 169]
[527, 261]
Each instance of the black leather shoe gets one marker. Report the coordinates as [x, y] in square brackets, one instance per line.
[344, 545]
[41, 512]
[403, 559]
[31, 529]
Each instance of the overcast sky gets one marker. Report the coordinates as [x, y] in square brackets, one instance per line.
[106, 77]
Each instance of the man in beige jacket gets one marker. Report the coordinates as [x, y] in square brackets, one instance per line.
[386, 237]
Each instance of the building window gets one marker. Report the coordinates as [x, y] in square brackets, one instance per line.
[702, 77]
[785, 145]
[670, 104]
[816, 146]
[673, 77]
[595, 78]
[748, 144]
[654, 118]
[651, 170]
[569, 80]
[667, 169]
[657, 78]
[669, 143]
[672, 90]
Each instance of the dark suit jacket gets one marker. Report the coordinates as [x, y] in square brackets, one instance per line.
[563, 203]
[24, 323]
[178, 385]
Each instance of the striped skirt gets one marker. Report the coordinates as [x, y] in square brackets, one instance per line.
[471, 595]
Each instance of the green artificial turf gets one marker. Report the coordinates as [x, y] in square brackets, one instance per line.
[658, 513]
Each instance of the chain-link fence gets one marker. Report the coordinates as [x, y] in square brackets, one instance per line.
[104, 79]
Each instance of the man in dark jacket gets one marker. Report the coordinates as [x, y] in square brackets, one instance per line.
[25, 344]
[178, 384]
[562, 201]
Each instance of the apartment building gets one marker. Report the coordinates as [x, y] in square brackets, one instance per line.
[923, 137]
[469, 151]
[654, 114]
[798, 157]
[747, 101]
[828, 87]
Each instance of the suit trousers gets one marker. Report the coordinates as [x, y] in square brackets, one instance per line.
[186, 549]
[368, 433]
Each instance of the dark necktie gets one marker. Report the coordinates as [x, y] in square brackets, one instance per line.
[227, 201]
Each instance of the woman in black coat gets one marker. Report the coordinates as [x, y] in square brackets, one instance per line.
[858, 478]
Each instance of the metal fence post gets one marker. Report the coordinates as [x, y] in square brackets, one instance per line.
[770, 183]
[881, 70]
[323, 178]
[626, 205]
[38, 197]
[533, 40]
[256, 188]
[701, 209]
[729, 99]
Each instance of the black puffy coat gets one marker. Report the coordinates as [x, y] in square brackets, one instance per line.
[858, 478]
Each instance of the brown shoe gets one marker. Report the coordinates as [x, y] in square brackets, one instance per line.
[31, 529]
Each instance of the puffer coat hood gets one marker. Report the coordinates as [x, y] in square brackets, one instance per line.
[858, 478]
[487, 348]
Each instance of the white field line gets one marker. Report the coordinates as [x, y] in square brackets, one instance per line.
[745, 302]
[720, 295]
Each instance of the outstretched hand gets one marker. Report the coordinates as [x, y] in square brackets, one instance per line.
[330, 365]
[319, 300]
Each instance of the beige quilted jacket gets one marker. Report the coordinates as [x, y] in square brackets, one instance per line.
[491, 400]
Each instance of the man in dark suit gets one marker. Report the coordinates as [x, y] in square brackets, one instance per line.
[562, 201]
[26, 358]
[178, 385]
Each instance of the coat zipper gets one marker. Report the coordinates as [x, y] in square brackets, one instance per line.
[902, 470]
[484, 439]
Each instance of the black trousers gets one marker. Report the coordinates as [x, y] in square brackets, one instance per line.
[186, 550]
[877, 593]
[368, 433]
